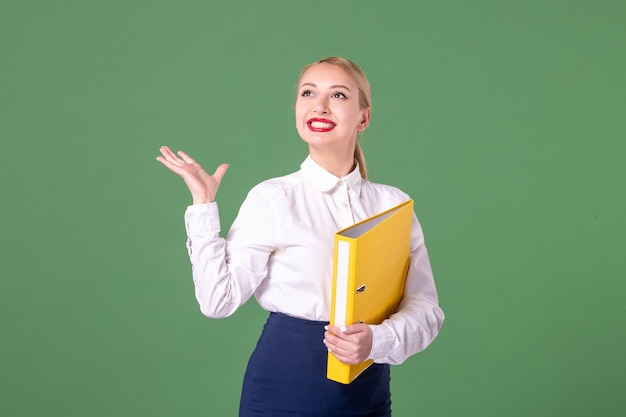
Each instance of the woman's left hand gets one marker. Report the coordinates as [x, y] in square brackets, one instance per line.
[351, 345]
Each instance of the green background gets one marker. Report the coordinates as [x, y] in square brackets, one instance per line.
[504, 120]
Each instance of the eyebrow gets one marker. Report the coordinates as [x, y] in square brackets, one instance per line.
[332, 86]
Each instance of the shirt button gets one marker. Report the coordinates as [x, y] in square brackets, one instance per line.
[345, 205]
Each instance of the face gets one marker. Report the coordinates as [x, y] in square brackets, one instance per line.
[327, 108]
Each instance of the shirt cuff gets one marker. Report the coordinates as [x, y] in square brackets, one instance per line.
[202, 219]
[383, 341]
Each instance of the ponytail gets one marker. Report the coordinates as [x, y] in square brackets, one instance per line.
[360, 158]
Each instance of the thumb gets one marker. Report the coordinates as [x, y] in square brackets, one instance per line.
[220, 171]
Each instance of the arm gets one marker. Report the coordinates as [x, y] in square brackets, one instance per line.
[227, 272]
[419, 317]
[225, 275]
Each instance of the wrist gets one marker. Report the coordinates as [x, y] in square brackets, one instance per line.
[195, 201]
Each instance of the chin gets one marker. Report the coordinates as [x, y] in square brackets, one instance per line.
[316, 141]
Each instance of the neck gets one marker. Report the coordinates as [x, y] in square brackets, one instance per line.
[339, 164]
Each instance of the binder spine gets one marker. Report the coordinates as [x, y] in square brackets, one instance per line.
[342, 301]
[342, 295]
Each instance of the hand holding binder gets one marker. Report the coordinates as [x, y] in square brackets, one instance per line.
[350, 344]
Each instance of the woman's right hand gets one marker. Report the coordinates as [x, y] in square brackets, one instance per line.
[203, 187]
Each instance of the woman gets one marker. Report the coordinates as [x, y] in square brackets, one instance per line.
[280, 249]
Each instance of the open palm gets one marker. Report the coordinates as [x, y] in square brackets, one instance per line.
[202, 185]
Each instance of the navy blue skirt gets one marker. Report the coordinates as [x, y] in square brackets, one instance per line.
[286, 376]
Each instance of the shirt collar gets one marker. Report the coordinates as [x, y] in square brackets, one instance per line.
[325, 181]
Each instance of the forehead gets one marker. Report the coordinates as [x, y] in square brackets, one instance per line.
[324, 75]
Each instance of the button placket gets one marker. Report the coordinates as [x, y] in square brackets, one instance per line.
[347, 218]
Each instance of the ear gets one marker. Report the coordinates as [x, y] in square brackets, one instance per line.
[365, 120]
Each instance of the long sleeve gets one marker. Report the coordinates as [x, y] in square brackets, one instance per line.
[226, 272]
[419, 317]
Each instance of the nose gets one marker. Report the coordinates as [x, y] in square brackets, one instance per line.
[321, 105]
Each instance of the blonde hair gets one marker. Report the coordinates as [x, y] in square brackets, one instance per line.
[365, 96]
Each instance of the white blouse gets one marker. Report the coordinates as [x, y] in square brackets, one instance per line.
[280, 249]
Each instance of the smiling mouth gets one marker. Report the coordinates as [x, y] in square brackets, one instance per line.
[320, 125]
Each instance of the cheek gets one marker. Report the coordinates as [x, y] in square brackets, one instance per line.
[300, 120]
[300, 112]
[350, 118]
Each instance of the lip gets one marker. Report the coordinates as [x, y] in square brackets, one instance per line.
[327, 126]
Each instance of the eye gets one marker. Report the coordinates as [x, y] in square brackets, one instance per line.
[306, 93]
[338, 95]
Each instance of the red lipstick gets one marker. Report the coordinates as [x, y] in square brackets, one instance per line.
[320, 125]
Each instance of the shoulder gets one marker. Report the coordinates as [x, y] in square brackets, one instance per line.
[278, 185]
[388, 192]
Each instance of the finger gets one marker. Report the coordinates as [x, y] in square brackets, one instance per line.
[170, 156]
[355, 328]
[175, 168]
[186, 158]
[334, 347]
[355, 339]
[335, 329]
[346, 359]
[220, 171]
[337, 342]
[345, 356]
[338, 336]
[347, 349]
[167, 152]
